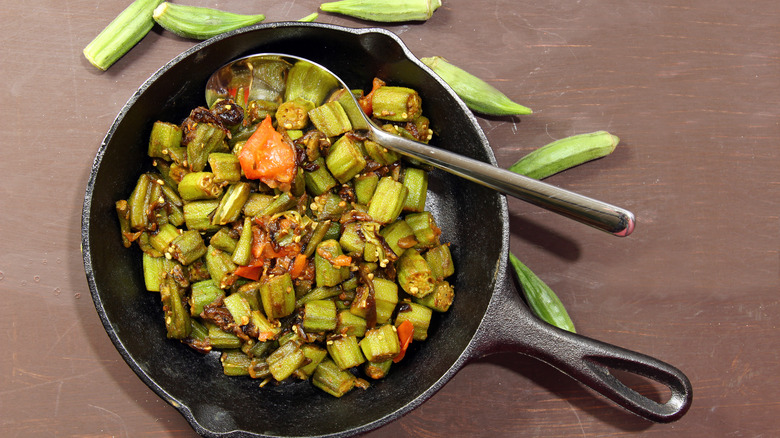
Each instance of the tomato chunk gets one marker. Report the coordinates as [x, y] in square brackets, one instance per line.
[268, 157]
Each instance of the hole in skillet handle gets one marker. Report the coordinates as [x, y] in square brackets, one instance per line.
[511, 326]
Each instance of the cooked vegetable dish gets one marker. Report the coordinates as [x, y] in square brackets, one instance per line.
[277, 233]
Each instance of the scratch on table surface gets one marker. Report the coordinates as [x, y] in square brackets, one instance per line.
[115, 416]
[579, 420]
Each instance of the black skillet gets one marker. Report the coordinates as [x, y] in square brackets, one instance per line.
[488, 315]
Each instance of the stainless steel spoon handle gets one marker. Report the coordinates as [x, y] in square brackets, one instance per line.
[581, 208]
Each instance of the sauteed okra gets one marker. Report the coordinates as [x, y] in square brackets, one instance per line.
[279, 235]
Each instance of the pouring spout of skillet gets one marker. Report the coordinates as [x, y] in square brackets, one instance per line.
[240, 75]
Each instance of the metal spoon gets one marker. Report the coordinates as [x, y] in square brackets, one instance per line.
[238, 74]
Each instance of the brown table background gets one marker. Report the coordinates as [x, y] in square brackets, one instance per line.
[692, 88]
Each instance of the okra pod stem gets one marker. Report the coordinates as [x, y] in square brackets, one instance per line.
[200, 23]
[565, 153]
[124, 32]
[478, 95]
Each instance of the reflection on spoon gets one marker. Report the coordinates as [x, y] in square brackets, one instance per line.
[264, 76]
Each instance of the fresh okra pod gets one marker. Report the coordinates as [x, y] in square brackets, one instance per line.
[124, 32]
[200, 23]
[541, 299]
[478, 95]
[384, 11]
[565, 153]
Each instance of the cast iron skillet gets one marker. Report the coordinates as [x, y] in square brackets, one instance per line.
[488, 315]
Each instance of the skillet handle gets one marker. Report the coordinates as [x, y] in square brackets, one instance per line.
[586, 360]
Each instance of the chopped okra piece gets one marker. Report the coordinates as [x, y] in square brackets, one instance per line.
[256, 203]
[319, 316]
[265, 329]
[220, 266]
[155, 269]
[440, 299]
[187, 247]
[278, 296]
[397, 104]
[197, 215]
[165, 141]
[204, 292]
[223, 240]
[377, 370]
[385, 297]
[350, 324]
[379, 153]
[380, 344]
[414, 274]
[202, 139]
[163, 237]
[399, 236]
[221, 339]
[177, 318]
[365, 185]
[314, 355]
[235, 363]
[330, 264]
[309, 82]
[283, 362]
[345, 159]
[439, 260]
[243, 250]
[239, 309]
[225, 167]
[331, 379]
[199, 185]
[139, 202]
[345, 351]
[425, 229]
[293, 114]
[330, 119]
[319, 180]
[416, 182]
[388, 200]
[231, 204]
[419, 316]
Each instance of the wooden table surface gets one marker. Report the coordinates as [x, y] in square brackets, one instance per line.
[692, 88]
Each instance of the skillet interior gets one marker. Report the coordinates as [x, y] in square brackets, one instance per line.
[473, 218]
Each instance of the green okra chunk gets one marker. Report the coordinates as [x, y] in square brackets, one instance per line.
[330, 119]
[197, 215]
[565, 153]
[328, 268]
[163, 237]
[414, 274]
[379, 153]
[316, 236]
[139, 203]
[199, 331]
[385, 298]
[146, 247]
[309, 82]
[425, 229]
[123, 214]
[439, 259]
[294, 114]
[419, 316]
[281, 202]
[198, 22]
[399, 236]
[177, 317]
[319, 180]
[416, 182]
[231, 204]
[350, 324]
[388, 200]
[309, 18]
[440, 299]
[256, 203]
[351, 239]
[235, 363]
[199, 185]
[223, 240]
[345, 159]
[202, 139]
[397, 104]
[251, 292]
[243, 250]
[478, 95]
[318, 293]
[345, 351]
[265, 329]
[329, 378]
[541, 299]
[285, 360]
[328, 206]
[220, 266]
[239, 308]
[351, 108]
[165, 141]
[314, 355]
[380, 344]
[225, 167]
[155, 269]
[278, 296]
[319, 316]
[187, 247]
[365, 186]
[124, 32]
[384, 11]
[259, 369]
[203, 293]
[221, 339]
[377, 370]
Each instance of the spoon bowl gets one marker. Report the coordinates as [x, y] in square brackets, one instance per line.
[238, 76]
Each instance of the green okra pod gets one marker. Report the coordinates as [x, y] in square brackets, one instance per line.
[478, 95]
[219, 265]
[380, 344]
[165, 141]
[198, 22]
[565, 153]
[330, 119]
[286, 359]
[414, 274]
[221, 339]
[204, 292]
[397, 104]
[278, 296]
[177, 318]
[225, 166]
[235, 363]
[319, 316]
[197, 215]
[416, 182]
[345, 159]
[124, 32]
[440, 299]
[187, 247]
[319, 180]
[384, 11]
[541, 299]
[231, 204]
[345, 351]
[309, 18]
[239, 308]
[199, 185]
[419, 316]
[243, 251]
[203, 139]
